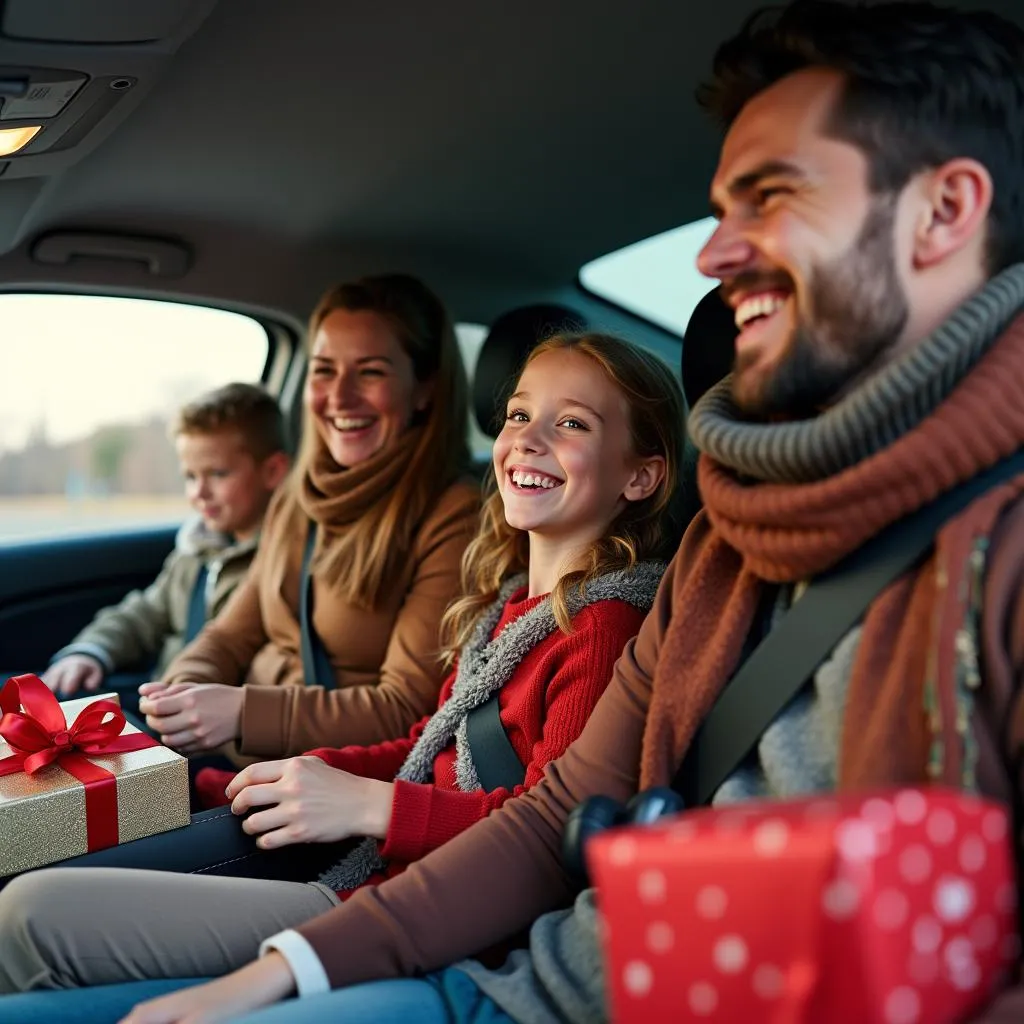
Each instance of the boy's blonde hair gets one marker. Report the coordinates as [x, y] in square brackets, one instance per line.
[642, 530]
[247, 408]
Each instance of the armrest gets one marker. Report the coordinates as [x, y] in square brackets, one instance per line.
[213, 843]
[213, 838]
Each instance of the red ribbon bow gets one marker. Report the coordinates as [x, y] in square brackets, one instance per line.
[33, 725]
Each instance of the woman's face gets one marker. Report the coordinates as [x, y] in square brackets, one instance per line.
[360, 387]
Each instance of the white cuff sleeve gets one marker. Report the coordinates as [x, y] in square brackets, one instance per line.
[310, 976]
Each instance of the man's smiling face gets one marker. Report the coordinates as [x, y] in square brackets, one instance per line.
[805, 252]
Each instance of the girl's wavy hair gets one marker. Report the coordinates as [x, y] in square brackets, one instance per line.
[366, 558]
[643, 529]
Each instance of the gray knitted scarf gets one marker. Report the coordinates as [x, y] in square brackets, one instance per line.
[884, 408]
[485, 666]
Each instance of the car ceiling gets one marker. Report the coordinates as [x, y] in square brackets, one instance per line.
[491, 147]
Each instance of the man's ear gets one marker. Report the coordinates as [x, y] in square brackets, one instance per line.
[955, 202]
[274, 469]
[647, 476]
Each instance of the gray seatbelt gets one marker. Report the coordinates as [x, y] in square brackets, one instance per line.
[497, 764]
[792, 651]
[316, 664]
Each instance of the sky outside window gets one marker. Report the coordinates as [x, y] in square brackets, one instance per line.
[656, 278]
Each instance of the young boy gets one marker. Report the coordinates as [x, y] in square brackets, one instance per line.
[230, 445]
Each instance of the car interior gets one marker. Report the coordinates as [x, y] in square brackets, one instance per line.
[245, 155]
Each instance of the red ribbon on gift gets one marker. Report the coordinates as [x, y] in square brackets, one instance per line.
[33, 725]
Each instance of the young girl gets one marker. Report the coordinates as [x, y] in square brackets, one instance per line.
[558, 579]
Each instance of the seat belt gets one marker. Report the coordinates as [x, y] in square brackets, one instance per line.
[497, 763]
[196, 617]
[794, 649]
[316, 665]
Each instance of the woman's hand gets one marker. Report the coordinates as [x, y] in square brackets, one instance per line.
[192, 717]
[265, 981]
[307, 801]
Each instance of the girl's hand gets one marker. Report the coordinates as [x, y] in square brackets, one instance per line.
[307, 801]
[193, 717]
[259, 984]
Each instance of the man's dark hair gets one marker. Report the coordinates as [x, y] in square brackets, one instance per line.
[924, 84]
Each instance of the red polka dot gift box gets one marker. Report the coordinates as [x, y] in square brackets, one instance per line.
[895, 907]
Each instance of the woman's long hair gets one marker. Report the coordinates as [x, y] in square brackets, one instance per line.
[363, 559]
[642, 530]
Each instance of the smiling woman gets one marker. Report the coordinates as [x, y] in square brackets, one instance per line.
[362, 386]
[369, 533]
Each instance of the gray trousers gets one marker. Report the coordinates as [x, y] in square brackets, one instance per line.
[71, 927]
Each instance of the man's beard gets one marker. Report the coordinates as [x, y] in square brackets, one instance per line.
[857, 310]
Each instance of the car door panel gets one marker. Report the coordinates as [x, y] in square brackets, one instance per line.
[49, 589]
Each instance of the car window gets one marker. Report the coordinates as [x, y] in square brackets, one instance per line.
[88, 390]
[656, 278]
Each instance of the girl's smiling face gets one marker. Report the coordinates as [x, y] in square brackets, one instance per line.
[564, 460]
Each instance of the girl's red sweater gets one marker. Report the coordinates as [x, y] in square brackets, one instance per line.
[543, 706]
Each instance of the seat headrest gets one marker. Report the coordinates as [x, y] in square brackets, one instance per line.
[708, 346]
[511, 338]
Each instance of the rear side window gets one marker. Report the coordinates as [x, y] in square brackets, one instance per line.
[656, 278]
[89, 387]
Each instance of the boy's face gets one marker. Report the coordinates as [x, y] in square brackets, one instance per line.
[224, 483]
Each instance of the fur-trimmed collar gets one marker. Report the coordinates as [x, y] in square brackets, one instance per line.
[485, 665]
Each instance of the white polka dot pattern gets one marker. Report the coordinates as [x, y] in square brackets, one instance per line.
[703, 998]
[638, 978]
[651, 887]
[718, 914]
[711, 902]
[660, 937]
[770, 838]
[840, 899]
[902, 1006]
[915, 864]
[769, 982]
[730, 954]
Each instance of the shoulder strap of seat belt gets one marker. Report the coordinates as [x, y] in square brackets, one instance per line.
[497, 764]
[792, 651]
[196, 606]
[316, 665]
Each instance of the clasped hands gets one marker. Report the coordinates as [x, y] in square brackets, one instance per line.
[192, 718]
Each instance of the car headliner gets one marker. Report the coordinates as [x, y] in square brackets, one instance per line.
[492, 147]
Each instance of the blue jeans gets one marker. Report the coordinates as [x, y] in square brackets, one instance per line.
[445, 997]
[104, 1004]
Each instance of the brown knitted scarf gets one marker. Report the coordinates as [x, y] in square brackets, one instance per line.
[348, 507]
[335, 497]
[784, 532]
